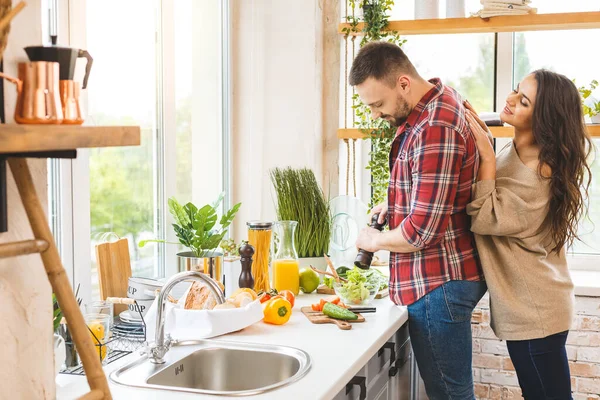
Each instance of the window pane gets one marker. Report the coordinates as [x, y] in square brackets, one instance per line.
[590, 229]
[122, 91]
[471, 72]
[568, 53]
[198, 101]
[464, 62]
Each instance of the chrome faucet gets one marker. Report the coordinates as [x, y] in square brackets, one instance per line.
[160, 347]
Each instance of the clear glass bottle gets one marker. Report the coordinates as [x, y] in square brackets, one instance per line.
[286, 274]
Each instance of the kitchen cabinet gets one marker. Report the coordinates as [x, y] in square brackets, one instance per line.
[387, 375]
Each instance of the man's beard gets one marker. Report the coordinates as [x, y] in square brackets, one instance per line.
[401, 112]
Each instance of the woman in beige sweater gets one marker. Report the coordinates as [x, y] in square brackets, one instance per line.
[525, 210]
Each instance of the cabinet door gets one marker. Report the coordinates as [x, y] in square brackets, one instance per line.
[399, 385]
[383, 394]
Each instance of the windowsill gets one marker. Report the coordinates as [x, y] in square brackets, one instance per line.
[587, 283]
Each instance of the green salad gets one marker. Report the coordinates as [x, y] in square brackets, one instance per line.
[360, 283]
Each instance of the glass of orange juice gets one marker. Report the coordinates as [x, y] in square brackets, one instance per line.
[98, 327]
[285, 261]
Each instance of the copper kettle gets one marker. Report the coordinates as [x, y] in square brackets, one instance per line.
[38, 96]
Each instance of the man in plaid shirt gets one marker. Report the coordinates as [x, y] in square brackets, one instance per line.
[434, 266]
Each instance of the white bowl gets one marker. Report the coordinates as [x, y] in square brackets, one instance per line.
[359, 301]
[142, 306]
[142, 288]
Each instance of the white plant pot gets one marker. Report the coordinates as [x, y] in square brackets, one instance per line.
[595, 119]
[60, 353]
[427, 9]
[317, 262]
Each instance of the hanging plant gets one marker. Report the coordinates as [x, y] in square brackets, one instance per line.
[380, 132]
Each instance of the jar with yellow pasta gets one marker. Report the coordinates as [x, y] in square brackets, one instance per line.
[259, 236]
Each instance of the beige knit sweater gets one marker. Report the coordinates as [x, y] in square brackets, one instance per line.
[531, 293]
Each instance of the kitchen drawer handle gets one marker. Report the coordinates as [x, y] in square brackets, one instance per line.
[361, 382]
[395, 367]
[392, 347]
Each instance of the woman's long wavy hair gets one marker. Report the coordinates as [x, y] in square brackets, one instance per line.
[560, 132]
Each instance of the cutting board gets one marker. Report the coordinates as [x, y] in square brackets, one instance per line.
[322, 289]
[114, 270]
[317, 317]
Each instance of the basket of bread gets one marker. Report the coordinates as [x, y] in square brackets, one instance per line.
[196, 315]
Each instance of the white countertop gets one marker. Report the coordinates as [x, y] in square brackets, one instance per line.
[336, 355]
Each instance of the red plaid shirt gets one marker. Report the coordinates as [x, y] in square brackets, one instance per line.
[433, 165]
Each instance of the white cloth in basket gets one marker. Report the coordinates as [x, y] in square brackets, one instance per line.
[184, 324]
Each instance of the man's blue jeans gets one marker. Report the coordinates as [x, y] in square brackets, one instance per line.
[440, 332]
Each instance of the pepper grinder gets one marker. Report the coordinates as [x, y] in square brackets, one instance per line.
[246, 252]
[364, 257]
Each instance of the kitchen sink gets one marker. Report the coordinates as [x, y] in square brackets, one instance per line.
[217, 368]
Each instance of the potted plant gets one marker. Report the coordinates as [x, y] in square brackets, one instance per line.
[591, 106]
[299, 198]
[58, 342]
[197, 229]
[379, 132]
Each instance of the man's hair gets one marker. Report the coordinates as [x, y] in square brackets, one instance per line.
[383, 61]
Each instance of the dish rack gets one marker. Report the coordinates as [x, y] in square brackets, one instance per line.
[125, 339]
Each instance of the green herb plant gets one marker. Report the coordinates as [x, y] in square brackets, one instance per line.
[56, 314]
[230, 248]
[380, 132]
[299, 198]
[196, 228]
[585, 93]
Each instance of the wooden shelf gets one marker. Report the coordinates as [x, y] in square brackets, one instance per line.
[497, 131]
[46, 138]
[513, 23]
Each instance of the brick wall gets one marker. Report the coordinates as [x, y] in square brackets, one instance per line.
[493, 371]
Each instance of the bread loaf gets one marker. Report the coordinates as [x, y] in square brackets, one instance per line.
[200, 297]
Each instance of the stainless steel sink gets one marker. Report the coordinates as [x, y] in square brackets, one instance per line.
[218, 368]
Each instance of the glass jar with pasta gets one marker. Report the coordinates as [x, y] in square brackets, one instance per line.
[259, 236]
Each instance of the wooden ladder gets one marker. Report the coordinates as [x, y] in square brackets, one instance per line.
[45, 246]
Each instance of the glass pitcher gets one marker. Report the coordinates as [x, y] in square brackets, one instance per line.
[285, 265]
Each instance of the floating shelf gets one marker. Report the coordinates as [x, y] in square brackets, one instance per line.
[497, 132]
[54, 141]
[48, 138]
[513, 23]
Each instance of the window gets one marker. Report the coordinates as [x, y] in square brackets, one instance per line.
[470, 71]
[123, 91]
[466, 62]
[569, 53]
[165, 76]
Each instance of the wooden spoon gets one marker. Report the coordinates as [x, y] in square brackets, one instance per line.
[333, 271]
[337, 277]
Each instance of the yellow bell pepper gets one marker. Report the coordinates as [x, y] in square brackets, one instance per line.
[277, 311]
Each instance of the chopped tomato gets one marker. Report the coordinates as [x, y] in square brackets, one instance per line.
[264, 297]
[316, 307]
[332, 299]
[322, 303]
[289, 296]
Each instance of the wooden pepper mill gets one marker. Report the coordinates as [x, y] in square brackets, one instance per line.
[246, 252]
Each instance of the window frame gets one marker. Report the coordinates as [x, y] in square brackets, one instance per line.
[503, 78]
[70, 179]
